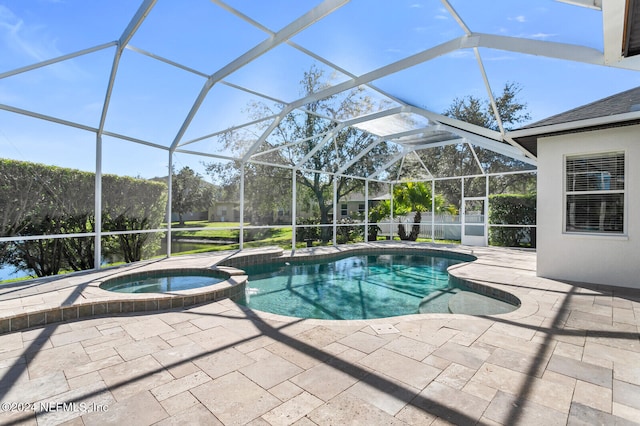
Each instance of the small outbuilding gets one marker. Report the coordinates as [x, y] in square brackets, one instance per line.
[588, 212]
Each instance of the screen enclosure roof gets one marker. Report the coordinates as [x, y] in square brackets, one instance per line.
[191, 77]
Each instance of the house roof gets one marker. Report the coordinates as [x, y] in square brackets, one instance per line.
[359, 196]
[613, 111]
[619, 103]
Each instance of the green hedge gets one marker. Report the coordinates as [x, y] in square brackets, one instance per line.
[309, 232]
[37, 199]
[344, 234]
[512, 209]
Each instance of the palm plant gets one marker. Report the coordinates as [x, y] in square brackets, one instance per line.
[414, 197]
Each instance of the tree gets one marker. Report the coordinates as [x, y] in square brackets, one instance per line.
[376, 214]
[189, 193]
[511, 112]
[40, 200]
[408, 197]
[301, 135]
[458, 160]
[513, 209]
[37, 199]
[474, 110]
[267, 189]
[130, 204]
[414, 197]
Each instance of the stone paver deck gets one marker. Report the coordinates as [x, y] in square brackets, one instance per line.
[569, 355]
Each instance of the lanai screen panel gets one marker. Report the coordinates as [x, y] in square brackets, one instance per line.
[212, 117]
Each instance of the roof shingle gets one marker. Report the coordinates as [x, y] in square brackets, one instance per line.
[619, 103]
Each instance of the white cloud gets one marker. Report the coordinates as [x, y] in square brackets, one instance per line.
[93, 107]
[461, 54]
[27, 40]
[542, 36]
[32, 43]
[519, 18]
[442, 14]
[416, 6]
[499, 58]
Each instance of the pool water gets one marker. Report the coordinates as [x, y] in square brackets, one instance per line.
[356, 287]
[159, 283]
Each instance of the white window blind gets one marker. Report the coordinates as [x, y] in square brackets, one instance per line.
[594, 193]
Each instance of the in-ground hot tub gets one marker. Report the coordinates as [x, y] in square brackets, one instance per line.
[177, 287]
[164, 281]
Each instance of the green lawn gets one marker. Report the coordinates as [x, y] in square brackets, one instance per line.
[253, 237]
[213, 230]
[206, 224]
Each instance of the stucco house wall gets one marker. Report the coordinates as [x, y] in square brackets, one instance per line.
[224, 212]
[592, 258]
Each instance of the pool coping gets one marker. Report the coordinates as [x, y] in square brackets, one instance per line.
[92, 300]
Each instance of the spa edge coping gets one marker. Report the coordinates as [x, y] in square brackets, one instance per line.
[103, 302]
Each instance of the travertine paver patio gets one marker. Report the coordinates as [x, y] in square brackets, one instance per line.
[569, 355]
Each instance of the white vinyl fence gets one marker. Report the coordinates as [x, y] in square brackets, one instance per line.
[446, 226]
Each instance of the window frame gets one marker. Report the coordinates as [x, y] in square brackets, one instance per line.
[566, 193]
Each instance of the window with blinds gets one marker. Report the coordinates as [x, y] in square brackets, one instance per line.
[595, 193]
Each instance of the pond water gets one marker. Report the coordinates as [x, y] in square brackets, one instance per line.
[8, 272]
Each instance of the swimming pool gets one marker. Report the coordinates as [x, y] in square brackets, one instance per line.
[355, 287]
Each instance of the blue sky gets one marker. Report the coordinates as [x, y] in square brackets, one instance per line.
[151, 99]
